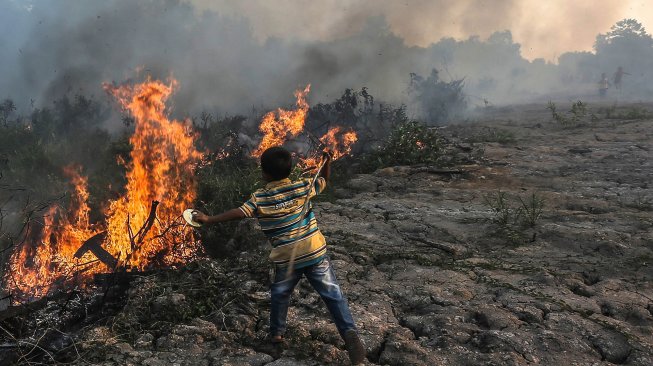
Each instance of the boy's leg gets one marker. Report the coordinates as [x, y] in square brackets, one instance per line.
[280, 291]
[323, 280]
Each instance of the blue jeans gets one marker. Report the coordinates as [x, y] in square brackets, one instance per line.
[323, 280]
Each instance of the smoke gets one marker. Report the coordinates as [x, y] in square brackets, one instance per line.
[546, 28]
[234, 56]
[217, 59]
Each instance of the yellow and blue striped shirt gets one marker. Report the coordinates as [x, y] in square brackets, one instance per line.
[278, 208]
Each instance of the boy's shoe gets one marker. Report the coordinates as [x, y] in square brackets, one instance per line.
[354, 347]
[274, 346]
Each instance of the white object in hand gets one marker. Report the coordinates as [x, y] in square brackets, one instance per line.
[188, 216]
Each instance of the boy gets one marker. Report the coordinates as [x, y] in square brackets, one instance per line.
[297, 242]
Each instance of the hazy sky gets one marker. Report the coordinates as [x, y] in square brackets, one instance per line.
[545, 28]
[246, 53]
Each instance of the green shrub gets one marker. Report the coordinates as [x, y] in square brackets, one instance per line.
[491, 134]
[224, 183]
[409, 143]
[532, 208]
[578, 114]
[635, 113]
[514, 215]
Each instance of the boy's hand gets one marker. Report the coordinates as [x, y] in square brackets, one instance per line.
[326, 155]
[326, 169]
[200, 217]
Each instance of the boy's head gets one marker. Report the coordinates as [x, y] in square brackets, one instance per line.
[276, 163]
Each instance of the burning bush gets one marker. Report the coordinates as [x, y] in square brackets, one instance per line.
[357, 110]
[161, 160]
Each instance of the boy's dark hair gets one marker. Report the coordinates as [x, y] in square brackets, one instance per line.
[276, 162]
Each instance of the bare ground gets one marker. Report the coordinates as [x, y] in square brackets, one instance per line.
[433, 280]
[574, 290]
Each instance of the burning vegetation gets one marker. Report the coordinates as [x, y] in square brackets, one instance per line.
[121, 217]
[141, 229]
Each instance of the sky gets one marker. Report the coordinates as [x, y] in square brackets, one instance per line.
[238, 56]
[545, 28]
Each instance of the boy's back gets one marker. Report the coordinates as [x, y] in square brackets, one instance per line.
[279, 209]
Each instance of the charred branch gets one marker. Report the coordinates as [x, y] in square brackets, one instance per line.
[137, 239]
[94, 245]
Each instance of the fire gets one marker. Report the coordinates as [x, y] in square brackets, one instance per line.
[36, 266]
[277, 127]
[335, 142]
[162, 160]
[161, 168]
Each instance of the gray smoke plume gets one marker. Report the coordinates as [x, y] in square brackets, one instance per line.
[52, 48]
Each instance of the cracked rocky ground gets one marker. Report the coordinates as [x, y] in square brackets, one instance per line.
[429, 280]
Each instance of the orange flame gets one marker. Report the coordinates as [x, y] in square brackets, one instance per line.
[161, 168]
[36, 266]
[162, 160]
[336, 143]
[277, 127]
[339, 144]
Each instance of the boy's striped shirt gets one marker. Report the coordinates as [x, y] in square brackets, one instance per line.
[278, 208]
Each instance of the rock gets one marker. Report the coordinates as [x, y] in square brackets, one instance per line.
[640, 358]
[428, 280]
[527, 313]
[388, 172]
[169, 301]
[342, 193]
[287, 362]
[152, 361]
[400, 349]
[259, 359]
[422, 325]
[613, 346]
[170, 341]
[493, 317]
[363, 185]
[145, 341]
[198, 326]
[252, 359]
[409, 227]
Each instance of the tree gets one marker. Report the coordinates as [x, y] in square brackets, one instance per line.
[7, 107]
[629, 46]
[439, 100]
[625, 33]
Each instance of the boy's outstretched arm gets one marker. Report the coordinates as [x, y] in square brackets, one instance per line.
[233, 214]
[326, 169]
